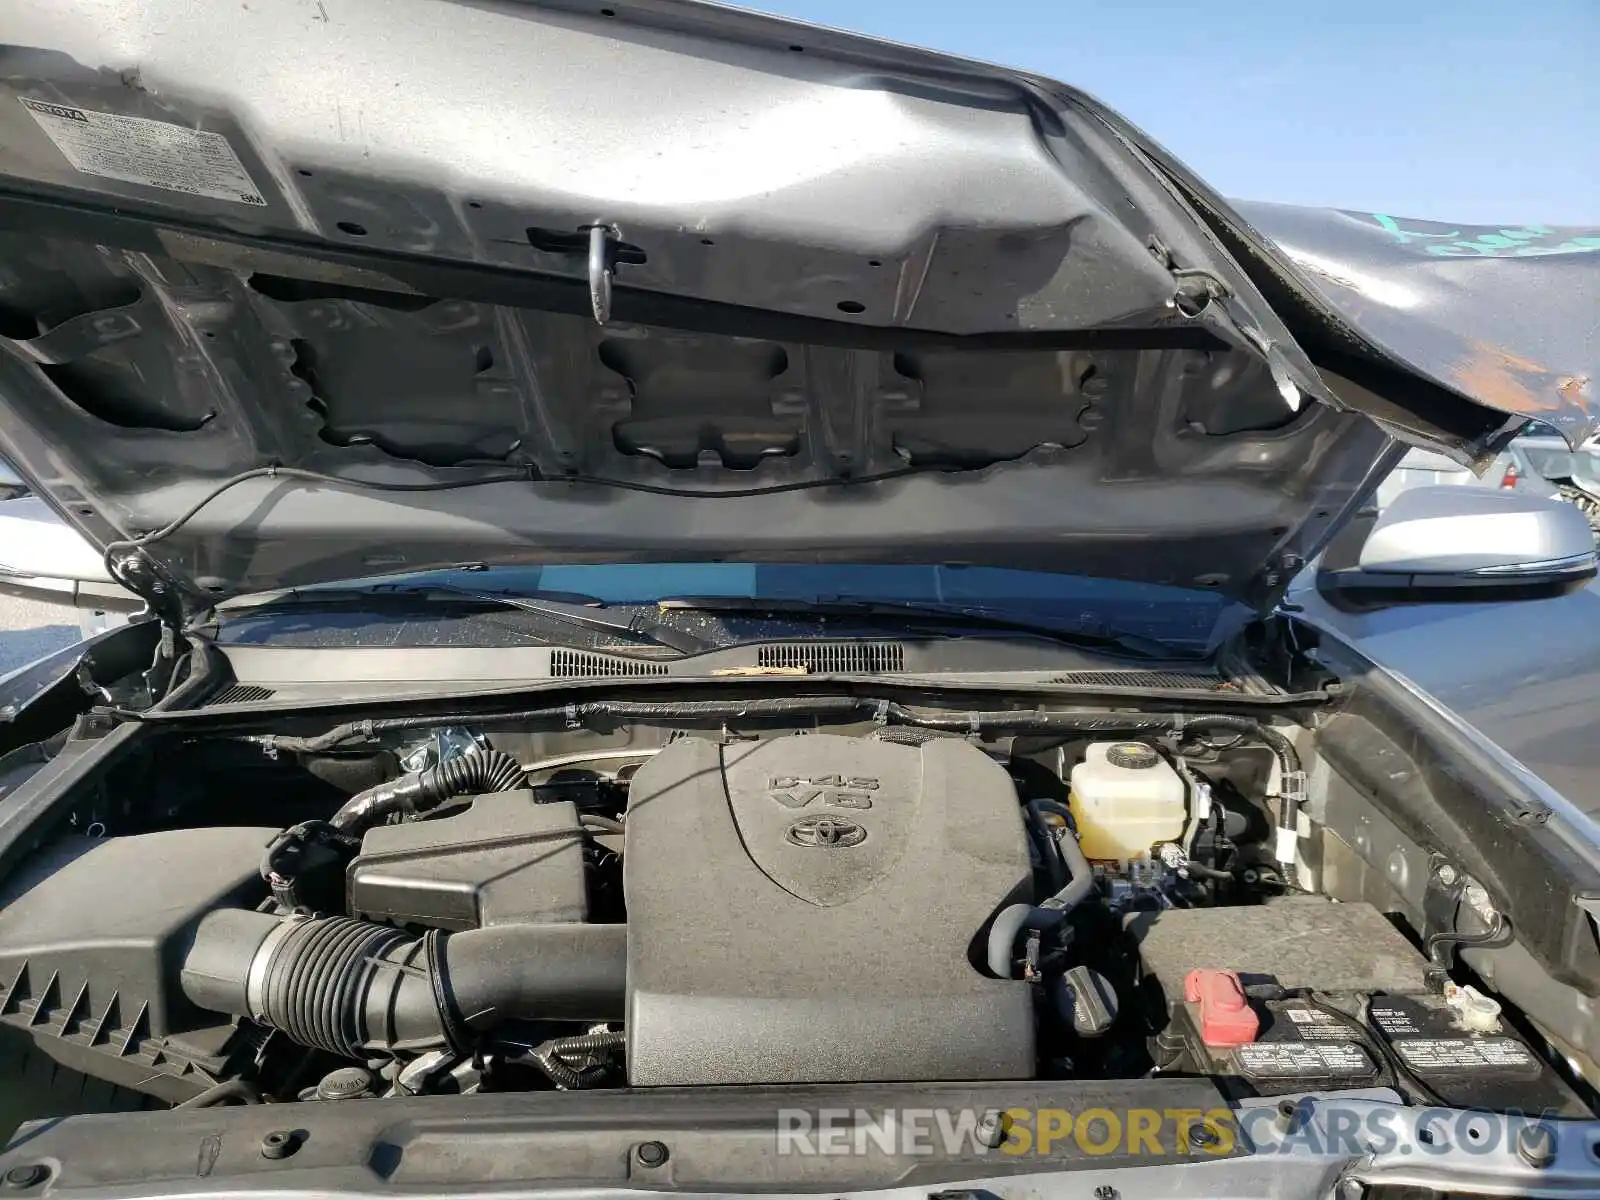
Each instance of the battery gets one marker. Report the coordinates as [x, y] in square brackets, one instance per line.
[1352, 957]
[1299, 1049]
[1469, 1070]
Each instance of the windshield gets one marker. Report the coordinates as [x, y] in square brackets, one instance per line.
[1180, 617]
[1550, 462]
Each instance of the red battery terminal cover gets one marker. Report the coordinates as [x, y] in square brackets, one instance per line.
[1226, 1018]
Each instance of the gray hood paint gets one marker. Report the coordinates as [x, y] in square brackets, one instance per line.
[1504, 314]
[352, 238]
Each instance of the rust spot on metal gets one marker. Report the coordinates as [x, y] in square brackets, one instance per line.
[1574, 389]
[1507, 381]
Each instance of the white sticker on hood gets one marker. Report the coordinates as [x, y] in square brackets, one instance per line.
[153, 153]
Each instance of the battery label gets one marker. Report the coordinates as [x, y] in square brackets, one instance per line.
[1314, 1025]
[1464, 1054]
[1302, 1060]
[1395, 1022]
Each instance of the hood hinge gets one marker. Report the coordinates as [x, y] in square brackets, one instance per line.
[158, 678]
[138, 573]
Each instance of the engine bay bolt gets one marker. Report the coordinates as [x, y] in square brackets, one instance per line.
[1477, 899]
[280, 1143]
[651, 1154]
[1289, 1115]
[1350, 1189]
[1447, 874]
[991, 1129]
[1536, 1145]
[31, 1175]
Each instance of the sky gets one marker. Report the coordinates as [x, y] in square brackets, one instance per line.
[1470, 111]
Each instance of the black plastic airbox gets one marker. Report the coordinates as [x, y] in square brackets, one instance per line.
[504, 859]
[92, 934]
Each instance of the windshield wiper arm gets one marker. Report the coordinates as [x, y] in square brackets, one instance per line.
[566, 611]
[638, 627]
[911, 611]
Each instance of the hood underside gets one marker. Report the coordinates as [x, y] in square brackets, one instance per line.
[848, 302]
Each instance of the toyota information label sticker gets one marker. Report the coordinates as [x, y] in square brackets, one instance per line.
[153, 153]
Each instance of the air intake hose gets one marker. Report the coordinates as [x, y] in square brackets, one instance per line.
[356, 988]
[470, 775]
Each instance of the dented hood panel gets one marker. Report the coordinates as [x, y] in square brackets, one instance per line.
[1504, 314]
[848, 301]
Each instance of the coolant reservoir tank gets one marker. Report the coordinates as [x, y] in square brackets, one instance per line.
[1125, 798]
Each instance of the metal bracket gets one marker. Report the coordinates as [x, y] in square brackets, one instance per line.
[602, 261]
[84, 673]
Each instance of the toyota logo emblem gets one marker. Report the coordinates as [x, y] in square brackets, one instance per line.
[826, 831]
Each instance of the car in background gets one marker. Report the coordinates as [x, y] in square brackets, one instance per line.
[1538, 461]
[1542, 452]
[43, 559]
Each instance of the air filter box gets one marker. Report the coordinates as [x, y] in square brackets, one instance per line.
[502, 859]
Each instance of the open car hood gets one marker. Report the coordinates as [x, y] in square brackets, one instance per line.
[848, 301]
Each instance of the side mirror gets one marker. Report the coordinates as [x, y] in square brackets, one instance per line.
[1435, 545]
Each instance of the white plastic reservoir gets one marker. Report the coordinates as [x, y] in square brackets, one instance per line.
[1125, 798]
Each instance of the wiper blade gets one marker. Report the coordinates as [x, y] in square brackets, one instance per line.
[911, 611]
[577, 612]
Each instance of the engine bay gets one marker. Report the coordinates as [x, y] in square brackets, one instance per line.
[665, 902]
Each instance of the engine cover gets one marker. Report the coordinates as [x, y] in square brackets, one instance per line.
[808, 909]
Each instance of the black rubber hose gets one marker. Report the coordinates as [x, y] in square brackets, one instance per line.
[1044, 842]
[1291, 779]
[1282, 748]
[1201, 871]
[1012, 920]
[470, 775]
[1081, 881]
[357, 989]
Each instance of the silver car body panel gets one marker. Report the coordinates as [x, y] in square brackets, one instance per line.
[360, 245]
